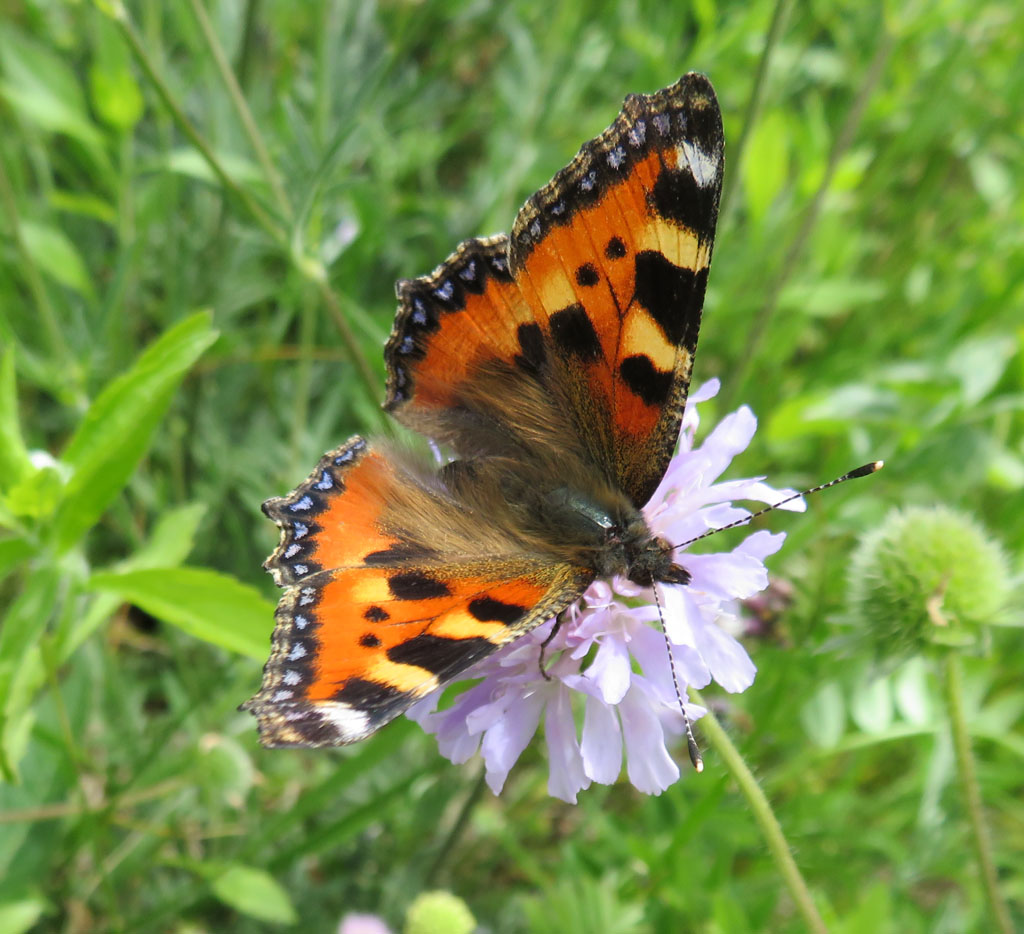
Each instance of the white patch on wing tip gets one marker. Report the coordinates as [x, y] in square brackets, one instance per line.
[703, 164]
[350, 723]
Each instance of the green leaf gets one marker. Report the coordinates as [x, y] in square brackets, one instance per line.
[994, 181]
[190, 162]
[13, 551]
[826, 298]
[43, 89]
[824, 716]
[14, 460]
[766, 163]
[728, 914]
[255, 893]
[914, 698]
[20, 631]
[87, 204]
[872, 914]
[36, 495]
[167, 547]
[824, 413]
[119, 425]
[112, 86]
[56, 255]
[17, 917]
[171, 540]
[871, 705]
[206, 604]
[979, 364]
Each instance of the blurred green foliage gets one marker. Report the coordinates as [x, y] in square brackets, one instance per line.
[187, 320]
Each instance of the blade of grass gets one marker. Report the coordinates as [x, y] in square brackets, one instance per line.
[753, 109]
[312, 269]
[33, 277]
[242, 108]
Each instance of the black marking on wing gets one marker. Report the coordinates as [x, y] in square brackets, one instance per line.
[666, 291]
[415, 585]
[438, 654]
[574, 333]
[645, 380]
[489, 610]
[531, 342]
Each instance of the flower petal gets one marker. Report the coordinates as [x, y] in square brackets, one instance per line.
[731, 576]
[761, 544]
[567, 775]
[504, 742]
[728, 661]
[602, 742]
[648, 764]
[728, 438]
[610, 669]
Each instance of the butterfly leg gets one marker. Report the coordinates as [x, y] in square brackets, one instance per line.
[551, 635]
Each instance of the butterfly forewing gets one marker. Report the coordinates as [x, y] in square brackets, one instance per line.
[614, 253]
[599, 290]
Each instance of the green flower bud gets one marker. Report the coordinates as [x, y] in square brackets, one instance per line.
[438, 913]
[926, 576]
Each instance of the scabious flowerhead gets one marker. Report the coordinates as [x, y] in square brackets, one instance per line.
[926, 576]
[609, 658]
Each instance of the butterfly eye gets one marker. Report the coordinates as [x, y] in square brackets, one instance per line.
[579, 510]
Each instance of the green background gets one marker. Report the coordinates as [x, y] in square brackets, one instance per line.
[192, 310]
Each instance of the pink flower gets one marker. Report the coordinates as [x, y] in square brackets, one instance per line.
[355, 923]
[626, 689]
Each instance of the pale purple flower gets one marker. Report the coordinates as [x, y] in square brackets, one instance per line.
[615, 626]
[356, 923]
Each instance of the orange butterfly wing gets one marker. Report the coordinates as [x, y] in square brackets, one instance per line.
[600, 288]
[372, 618]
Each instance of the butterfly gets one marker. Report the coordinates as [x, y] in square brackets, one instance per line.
[554, 363]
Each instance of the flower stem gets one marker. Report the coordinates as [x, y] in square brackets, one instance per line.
[972, 792]
[457, 829]
[770, 827]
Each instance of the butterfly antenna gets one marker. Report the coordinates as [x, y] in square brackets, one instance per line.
[691, 742]
[852, 475]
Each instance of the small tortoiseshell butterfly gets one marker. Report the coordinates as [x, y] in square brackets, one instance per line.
[555, 364]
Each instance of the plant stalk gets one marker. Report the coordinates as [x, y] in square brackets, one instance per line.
[766, 819]
[972, 792]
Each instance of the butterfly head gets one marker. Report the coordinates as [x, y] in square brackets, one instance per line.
[651, 561]
[614, 537]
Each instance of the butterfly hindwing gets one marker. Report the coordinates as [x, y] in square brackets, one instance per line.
[597, 293]
[373, 618]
